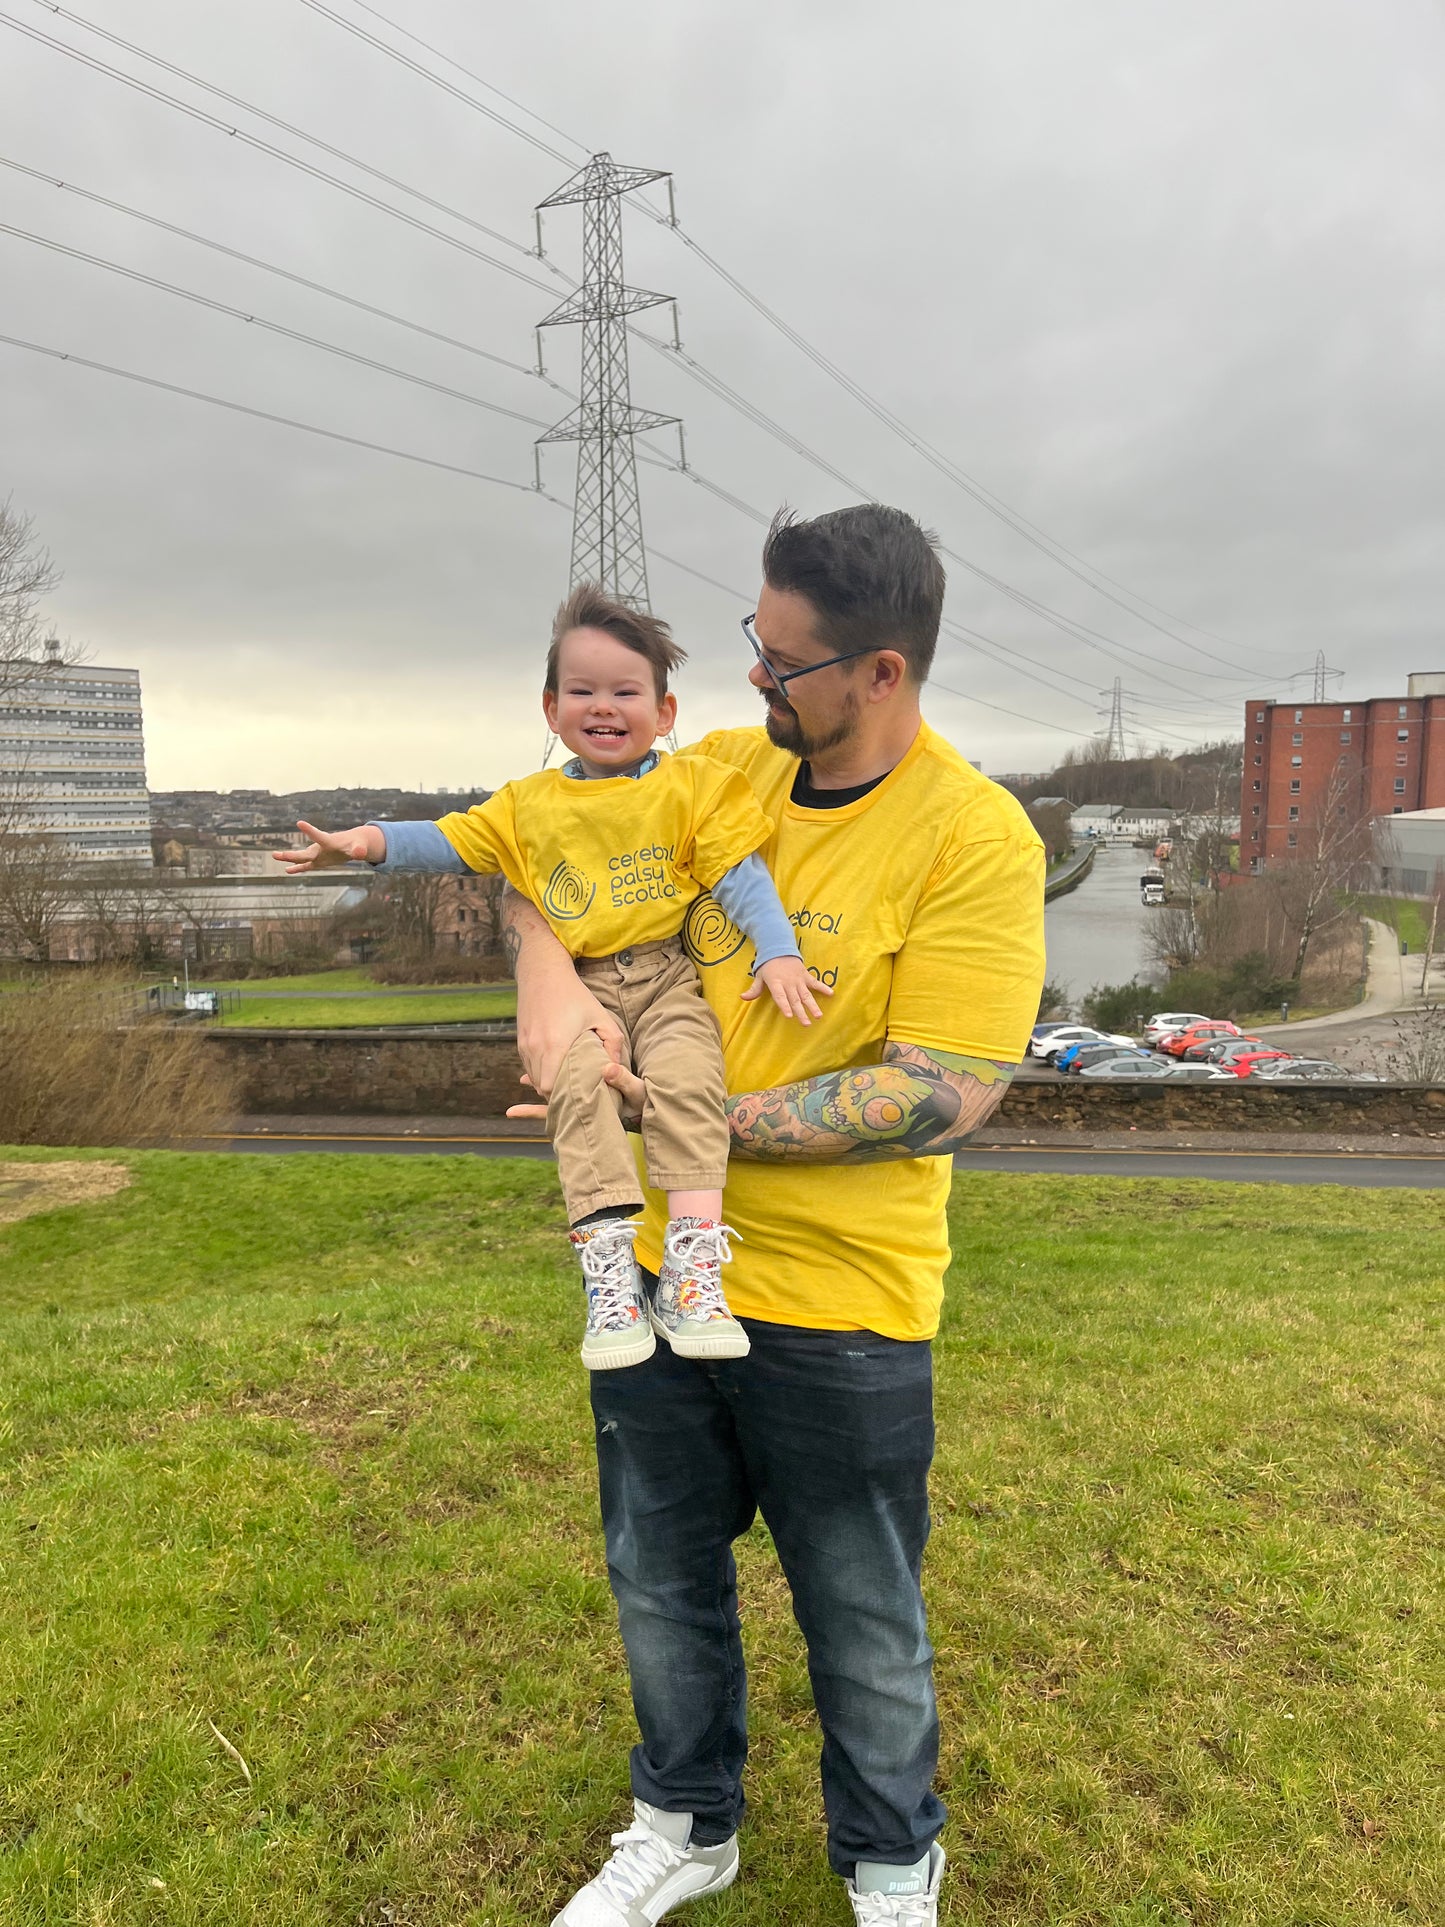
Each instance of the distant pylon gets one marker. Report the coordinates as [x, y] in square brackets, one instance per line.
[1320, 673]
[607, 545]
[1115, 747]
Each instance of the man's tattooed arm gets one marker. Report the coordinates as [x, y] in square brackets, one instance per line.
[511, 909]
[916, 1104]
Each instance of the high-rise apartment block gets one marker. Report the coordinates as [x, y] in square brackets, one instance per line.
[72, 759]
[1377, 758]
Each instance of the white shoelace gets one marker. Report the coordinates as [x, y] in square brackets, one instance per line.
[910, 1910]
[641, 1860]
[610, 1272]
[698, 1253]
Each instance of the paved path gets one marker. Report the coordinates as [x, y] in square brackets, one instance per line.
[1362, 1169]
[1387, 988]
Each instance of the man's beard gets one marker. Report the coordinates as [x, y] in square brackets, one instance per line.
[785, 729]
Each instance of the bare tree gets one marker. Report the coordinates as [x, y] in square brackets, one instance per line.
[413, 900]
[27, 575]
[1332, 855]
[37, 884]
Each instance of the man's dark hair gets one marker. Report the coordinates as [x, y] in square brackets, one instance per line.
[588, 607]
[871, 573]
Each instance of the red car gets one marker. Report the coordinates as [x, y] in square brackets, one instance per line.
[1178, 1041]
[1242, 1063]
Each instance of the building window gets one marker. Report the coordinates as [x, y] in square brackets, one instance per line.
[1257, 761]
[1399, 786]
[1346, 716]
[1402, 712]
[1259, 715]
[1294, 783]
[1345, 734]
[1402, 758]
[1255, 810]
[1297, 738]
[1296, 762]
[1294, 812]
[1256, 785]
[1402, 735]
[1299, 715]
[1291, 839]
[1259, 739]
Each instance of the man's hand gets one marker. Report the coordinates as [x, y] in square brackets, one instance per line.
[791, 987]
[553, 1006]
[330, 848]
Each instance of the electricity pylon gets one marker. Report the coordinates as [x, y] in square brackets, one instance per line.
[1116, 749]
[607, 545]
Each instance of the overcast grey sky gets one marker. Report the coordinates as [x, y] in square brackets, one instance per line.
[1168, 280]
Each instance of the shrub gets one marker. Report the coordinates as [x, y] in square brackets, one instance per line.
[73, 1072]
[1118, 1007]
[1053, 1003]
[407, 964]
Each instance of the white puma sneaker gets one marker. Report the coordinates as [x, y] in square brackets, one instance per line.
[877, 1906]
[652, 1871]
[688, 1307]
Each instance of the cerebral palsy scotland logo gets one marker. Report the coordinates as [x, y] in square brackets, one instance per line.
[569, 893]
[709, 934]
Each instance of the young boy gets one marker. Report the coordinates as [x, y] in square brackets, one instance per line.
[614, 849]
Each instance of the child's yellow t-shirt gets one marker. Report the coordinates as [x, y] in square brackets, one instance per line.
[614, 860]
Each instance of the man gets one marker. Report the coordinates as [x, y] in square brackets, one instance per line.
[915, 887]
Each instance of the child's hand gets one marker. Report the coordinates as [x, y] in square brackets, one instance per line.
[327, 849]
[791, 986]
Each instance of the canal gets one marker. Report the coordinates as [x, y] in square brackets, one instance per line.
[1095, 934]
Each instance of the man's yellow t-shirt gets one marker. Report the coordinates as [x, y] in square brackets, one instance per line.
[615, 860]
[921, 905]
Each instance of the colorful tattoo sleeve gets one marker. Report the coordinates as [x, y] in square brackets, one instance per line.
[916, 1103]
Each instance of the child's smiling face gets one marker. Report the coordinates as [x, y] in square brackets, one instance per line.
[606, 708]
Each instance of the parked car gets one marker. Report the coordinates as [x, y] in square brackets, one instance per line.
[1312, 1070]
[1201, 1074]
[1043, 1030]
[1133, 1067]
[1215, 1050]
[1212, 1030]
[1079, 1057]
[1049, 1047]
[1163, 1021]
[1243, 1063]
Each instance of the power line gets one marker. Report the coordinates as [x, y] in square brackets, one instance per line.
[284, 274]
[1076, 565]
[714, 384]
[348, 26]
[276, 153]
[274, 120]
[271, 327]
[262, 414]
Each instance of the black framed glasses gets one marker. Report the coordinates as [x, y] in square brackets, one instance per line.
[781, 678]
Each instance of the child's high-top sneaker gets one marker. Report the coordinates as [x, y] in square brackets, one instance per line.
[618, 1331]
[689, 1309]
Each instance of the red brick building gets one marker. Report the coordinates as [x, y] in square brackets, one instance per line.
[1375, 758]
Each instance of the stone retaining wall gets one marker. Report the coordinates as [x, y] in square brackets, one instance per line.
[393, 1073]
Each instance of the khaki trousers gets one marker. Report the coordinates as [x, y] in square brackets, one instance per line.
[675, 1046]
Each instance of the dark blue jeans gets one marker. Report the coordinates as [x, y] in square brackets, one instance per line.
[829, 1435]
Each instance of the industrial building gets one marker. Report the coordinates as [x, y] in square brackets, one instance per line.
[1302, 761]
[72, 760]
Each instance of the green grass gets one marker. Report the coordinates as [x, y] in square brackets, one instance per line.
[351, 1013]
[1410, 920]
[354, 977]
[301, 1447]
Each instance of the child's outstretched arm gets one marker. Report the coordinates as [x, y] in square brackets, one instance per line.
[416, 845]
[329, 848]
[750, 897]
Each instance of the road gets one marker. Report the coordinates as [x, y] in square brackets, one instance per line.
[1364, 1170]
